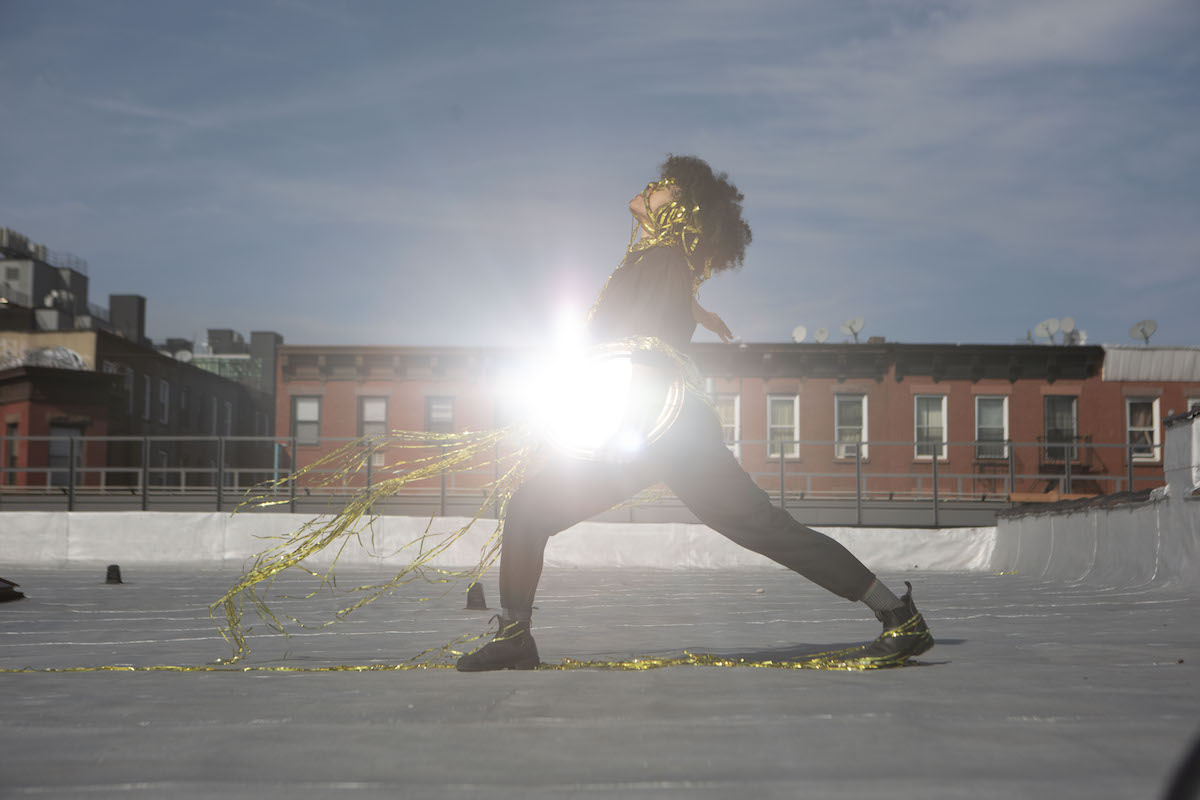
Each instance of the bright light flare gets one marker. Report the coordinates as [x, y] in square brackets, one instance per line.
[579, 398]
[583, 411]
[581, 403]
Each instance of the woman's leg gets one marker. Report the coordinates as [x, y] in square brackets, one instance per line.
[564, 492]
[702, 471]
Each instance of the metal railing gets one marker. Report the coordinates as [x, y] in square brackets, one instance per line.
[860, 483]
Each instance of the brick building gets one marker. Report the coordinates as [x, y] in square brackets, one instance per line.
[881, 418]
[71, 369]
[101, 384]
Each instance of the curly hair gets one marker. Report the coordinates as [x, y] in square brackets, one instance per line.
[726, 234]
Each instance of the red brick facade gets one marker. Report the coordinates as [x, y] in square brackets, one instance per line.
[902, 386]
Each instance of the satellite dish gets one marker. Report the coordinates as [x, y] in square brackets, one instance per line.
[1067, 324]
[798, 333]
[1143, 330]
[183, 355]
[853, 326]
[1046, 329]
[821, 335]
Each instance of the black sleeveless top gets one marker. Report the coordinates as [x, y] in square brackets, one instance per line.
[650, 294]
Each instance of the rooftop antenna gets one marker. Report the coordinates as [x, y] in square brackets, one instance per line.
[1046, 329]
[1143, 330]
[798, 333]
[1072, 334]
[821, 335]
[853, 326]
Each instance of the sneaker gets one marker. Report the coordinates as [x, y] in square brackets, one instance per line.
[905, 633]
[513, 648]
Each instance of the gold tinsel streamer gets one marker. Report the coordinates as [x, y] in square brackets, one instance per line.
[833, 661]
[353, 522]
[851, 659]
[458, 452]
[671, 226]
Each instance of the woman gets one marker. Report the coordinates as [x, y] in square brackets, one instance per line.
[690, 226]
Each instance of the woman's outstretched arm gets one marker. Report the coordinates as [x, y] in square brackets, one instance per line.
[707, 319]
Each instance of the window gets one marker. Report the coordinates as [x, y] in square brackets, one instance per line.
[783, 425]
[930, 425]
[850, 424]
[372, 421]
[1141, 423]
[991, 427]
[212, 416]
[183, 399]
[1061, 427]
[145, 397]
[62, 441]
[10, 452]
[129, 381]
[228, 418]
[372, 416]
[729, 410]
[439, 414]
[306, 420]
[164, 401]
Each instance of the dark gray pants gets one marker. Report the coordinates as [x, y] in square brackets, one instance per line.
[692, 459]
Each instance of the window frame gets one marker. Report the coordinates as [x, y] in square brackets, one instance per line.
[942, 452]
[1071, 445]
[363, 422]
[58, 463]
[793, 448]
[164, 401]
[130, 378]
[434, 426]
[377, 459]
[735, 446]
[1155, 430]
[981, 443]
[12, 451]
[304, 440]
[843, 450]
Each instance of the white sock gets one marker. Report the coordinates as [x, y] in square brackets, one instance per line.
[880, 597]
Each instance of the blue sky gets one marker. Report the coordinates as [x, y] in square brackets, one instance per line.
[457, 172]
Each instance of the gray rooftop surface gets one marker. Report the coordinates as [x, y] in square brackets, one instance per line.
[1035, 690]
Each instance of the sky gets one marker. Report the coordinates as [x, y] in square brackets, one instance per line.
[458, 173]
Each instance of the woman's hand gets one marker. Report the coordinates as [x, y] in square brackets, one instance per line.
[711, 321]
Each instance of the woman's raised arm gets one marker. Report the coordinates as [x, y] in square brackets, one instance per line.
[708, 319]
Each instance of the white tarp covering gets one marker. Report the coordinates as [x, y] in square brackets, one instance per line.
[1153, 542]
[193, 538]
